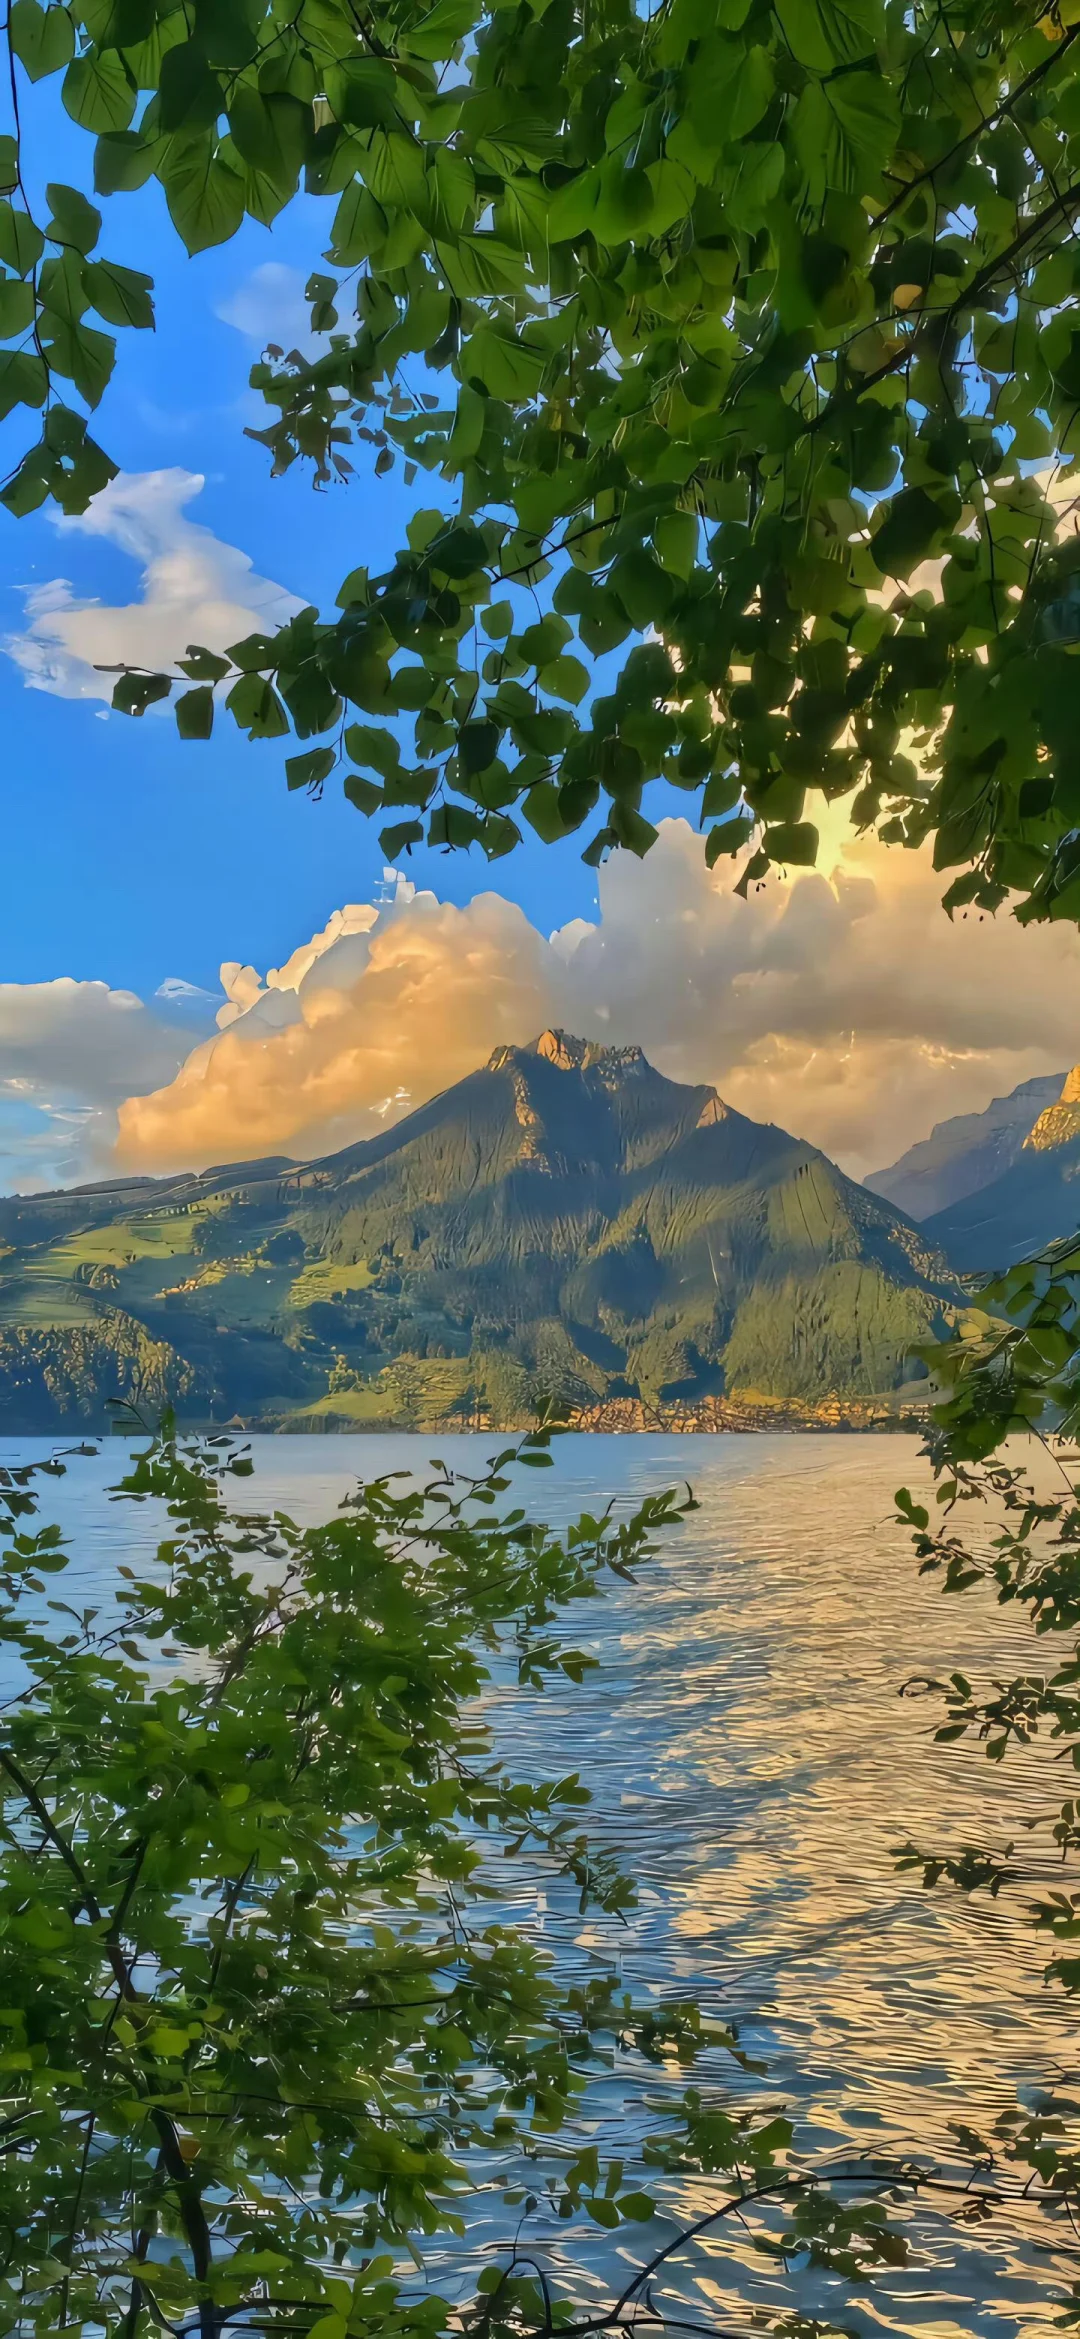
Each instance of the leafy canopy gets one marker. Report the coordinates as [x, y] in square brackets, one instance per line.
[743, 335]
[1005, 1522]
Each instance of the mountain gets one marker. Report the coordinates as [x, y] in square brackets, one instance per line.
[565, 1223]
[1035, 1199]
[965, 1154]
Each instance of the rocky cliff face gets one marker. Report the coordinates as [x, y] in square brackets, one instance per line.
[1060, 1122]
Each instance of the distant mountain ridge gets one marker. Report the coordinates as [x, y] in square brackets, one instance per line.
[1034, 1200]
[565, 1224]
[964, 1154]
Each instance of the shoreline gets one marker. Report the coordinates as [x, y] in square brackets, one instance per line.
[630, 1417]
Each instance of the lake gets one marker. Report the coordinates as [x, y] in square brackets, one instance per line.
[746, 1745]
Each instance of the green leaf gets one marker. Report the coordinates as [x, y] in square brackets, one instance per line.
[565, 678]
[21, 242]
[573, 208]
[542, 811]
[625, 203]
[639, 2206]
[195, 714]
[363, 93]
[121, 295]
[392, 166]
[61, 288]
[360, 225]
[65, 464]
[373, 745]
[401, 838]
[499, 834]
[43, 38]
[750, 177]
[16, 307]
[205, 197]
[78, 468]
[23, 380]
[454, 828]
[9, 163]
[85, 356]
[97, 92]
[203, 665]
[28, 490]
[254, 653]
[630, 829]
[439, 33]
[167, 2040]
[123, 161]
[477, 746]
[506, 365]
[364, 794]
[458, 553]
[913, 525]
[867, 113]
[271, 133]
[308, 693]
[794, 842]
[310, 770]
[468, 430]
[133, 693]
[602, 2211]
[190, 95]
[730, 87]
[540, 644]
[826, 33]
[257, 708]
[228, 31]
[728, 836]
[119, 24]
[73, 220]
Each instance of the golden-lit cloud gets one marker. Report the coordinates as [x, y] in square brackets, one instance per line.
[841, 1004]
[378, 1013]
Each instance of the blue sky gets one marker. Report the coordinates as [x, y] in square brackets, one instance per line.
[140, 857]
[844, 1006]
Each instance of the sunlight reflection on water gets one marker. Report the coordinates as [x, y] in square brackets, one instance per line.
[747, 1748]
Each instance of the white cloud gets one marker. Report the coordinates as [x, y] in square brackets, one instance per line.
[193, 588]
[178, 992]
[842, 1005]
[269, 309]
[70, 1053]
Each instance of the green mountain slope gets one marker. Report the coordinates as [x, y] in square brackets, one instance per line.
[565, 1224]
[1033, 1202]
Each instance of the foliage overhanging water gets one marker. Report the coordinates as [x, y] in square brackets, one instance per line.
[749, 1754]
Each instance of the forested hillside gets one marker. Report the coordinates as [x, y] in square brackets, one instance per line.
[564, 1226]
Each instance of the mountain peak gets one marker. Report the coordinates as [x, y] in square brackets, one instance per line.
[569, 1054]
[1060, 1122]
[571, 1224]
[561, 1048]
